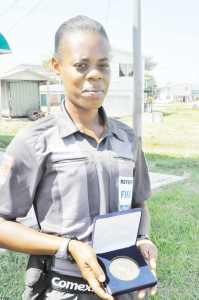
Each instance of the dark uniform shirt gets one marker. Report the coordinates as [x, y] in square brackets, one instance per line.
[69, 177]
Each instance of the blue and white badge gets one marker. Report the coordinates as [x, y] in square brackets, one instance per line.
[125, 192]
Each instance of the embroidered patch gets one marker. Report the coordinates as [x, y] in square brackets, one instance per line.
[5, 166]
[125, 192]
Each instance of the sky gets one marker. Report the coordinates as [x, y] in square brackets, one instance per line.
[169, 31]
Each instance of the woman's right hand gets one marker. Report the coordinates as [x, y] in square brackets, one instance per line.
[91, 271]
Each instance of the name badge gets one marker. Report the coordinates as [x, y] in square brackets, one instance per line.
[125, 192]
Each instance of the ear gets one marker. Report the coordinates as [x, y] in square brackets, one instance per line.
[56, 65]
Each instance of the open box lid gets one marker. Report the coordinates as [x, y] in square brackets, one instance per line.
[116, 230]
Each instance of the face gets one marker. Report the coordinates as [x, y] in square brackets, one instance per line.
[84, 68]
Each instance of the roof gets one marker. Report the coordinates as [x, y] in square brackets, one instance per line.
[22, 66]
[150, 64]
[26, 73]
[181, 84]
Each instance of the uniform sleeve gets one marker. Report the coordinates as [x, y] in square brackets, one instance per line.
[20, 172]
[141, 185]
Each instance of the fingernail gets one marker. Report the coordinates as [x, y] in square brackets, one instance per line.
[153, 263]
[141, 295]
[101, 278]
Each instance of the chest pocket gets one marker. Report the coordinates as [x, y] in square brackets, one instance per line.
[76, 185]
[69, 163]
[121, 167]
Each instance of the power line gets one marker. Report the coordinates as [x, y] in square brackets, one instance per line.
[27, 14]
[5, 11]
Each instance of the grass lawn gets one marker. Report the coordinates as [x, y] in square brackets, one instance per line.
[9, 128]
[175, 227]
[171, 147]
[12, 268]
[178, 134]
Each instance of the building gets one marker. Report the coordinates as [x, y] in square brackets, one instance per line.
[120, 96]
[182, 92]
[19, 90]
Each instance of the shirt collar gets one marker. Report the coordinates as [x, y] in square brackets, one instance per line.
[64, 121]
[111, 128]
[67, 126]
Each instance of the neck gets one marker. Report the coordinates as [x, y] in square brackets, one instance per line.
[83, 116]
[88, 121]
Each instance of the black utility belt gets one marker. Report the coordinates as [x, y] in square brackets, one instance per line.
[69, 284]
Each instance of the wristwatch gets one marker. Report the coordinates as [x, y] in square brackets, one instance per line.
[62, 252]
[143, 236]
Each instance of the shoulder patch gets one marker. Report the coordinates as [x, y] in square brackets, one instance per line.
[5, 166]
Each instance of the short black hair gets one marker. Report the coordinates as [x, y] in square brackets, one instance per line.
[77, 24]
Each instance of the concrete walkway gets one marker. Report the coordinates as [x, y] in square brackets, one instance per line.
[158, 179]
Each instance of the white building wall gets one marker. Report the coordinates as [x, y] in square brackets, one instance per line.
[178, 92]
[119, 100]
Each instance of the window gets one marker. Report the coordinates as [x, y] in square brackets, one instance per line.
[125, 70]
[195, 92]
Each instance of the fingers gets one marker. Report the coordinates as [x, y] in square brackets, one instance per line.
[153, 254]
[88, 265]
[153, 263]
[141, 294]
[97, 287]
[150, 253]
[95, 278]
[97, 270]
[153, 289]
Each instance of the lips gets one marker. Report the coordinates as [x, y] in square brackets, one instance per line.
[92, 91]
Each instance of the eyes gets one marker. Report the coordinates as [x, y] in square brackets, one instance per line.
[82, 67]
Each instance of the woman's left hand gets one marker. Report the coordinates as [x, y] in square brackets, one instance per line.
[150, 253]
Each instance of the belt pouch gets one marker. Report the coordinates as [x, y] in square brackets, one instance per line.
[37, 277]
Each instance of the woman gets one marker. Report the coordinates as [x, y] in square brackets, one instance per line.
[69, 166]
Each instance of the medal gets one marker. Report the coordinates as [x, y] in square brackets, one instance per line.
[124, 268]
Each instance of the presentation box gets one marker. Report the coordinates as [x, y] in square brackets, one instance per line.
[114, 242]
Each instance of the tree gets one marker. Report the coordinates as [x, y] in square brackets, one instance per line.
[46, 65]
[150, 86]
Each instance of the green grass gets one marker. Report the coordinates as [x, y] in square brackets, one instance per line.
[171, 147]
[12, 267]
[175, 226]
[176, 135]
[9, 128]
[5, 140]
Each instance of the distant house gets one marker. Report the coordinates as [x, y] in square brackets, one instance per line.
[182, 92]
[119, 98]
[19, 90]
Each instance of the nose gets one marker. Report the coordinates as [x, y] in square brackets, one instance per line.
[94, 74]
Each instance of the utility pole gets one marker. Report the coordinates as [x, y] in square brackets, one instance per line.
[137, 70]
